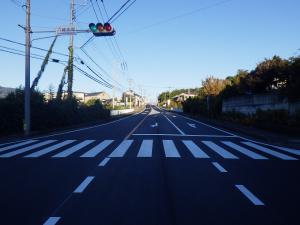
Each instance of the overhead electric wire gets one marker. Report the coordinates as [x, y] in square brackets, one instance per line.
[116, 13]
[94, 10]
[100, 11]
[123, 11]
[104, 8]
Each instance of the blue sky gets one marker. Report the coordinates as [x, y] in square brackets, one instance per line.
[217, 40]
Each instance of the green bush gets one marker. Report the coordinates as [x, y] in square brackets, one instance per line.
[46, 115]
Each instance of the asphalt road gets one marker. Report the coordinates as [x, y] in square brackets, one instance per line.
[152, 168]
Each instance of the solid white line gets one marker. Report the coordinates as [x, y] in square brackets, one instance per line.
[221, 151]
[170, 149]
[77, 130]
[249, 195]
[219, 167]
[187, 135]
[97, 149]
[49, 149]
[146, 149]
[17, 145]
[26, 149]
[52, 221]
[73, 149]
[84, 184]
[104, 162]
[243, 150]
[180, 131]
[121, 149]
[194, 149]
[269, 151]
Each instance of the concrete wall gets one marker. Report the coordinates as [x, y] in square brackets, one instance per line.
[120, 112]
[249, 104]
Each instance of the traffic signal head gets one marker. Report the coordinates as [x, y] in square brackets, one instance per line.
[102, 30]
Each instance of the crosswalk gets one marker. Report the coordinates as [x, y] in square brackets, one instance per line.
[147, 148]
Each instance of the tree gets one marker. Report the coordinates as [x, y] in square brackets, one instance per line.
[213, 86]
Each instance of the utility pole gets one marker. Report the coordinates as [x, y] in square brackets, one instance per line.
[71, 52]
[27, 72]
[130, 99]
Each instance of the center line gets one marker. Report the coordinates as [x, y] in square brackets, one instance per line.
[249, 195]
[104, 162]
[219, 167]
[180, 131]
[52, 221]
[83, 185]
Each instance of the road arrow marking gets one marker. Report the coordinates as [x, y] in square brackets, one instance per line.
[154, 125]
[192, 125]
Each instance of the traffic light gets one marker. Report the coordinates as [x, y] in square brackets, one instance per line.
[102, 30]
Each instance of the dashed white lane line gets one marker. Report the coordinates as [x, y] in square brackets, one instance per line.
[146, 149]
[194, 149]
[97, 149]
[52, 221]
[249, 195]
[180, 131]
[84, 184]
[104, 162]
[269, 151]
[219, 167]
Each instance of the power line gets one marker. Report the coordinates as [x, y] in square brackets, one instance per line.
[116, 13]
[123, 11]
[94, 10]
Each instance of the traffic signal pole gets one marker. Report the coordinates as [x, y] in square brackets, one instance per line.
[27, 72]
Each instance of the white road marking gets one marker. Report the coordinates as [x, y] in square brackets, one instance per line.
[249, 195]
[49, 149]
[174, 116]
[26, 149]
[170, 149]
[180, 131]
[269, 151]
[194, 149]
[84, 184]
[221, 151]
[17, 145]
[52, 221]
[243, 150]
[146, 149]
[154, 125]
[73, 149]
[192, 125]
[219, 167]
[187, 135]
[121, 149]
[97, 149]
[293, 151]
[104, 162]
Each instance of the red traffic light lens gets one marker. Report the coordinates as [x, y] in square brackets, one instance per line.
[100, 27]
[107, 27]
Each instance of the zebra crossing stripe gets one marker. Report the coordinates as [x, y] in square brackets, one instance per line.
[49, 149]
[97, 149]
[221, 151]
[269, 151]
[170, 149]
[194, 149]
[293, 151]
[243, 150]
[17, 145]
[121, 149]
[73, 149]
[146, 149]
[26, 149]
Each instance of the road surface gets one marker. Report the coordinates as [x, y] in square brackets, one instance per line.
[152, 168]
